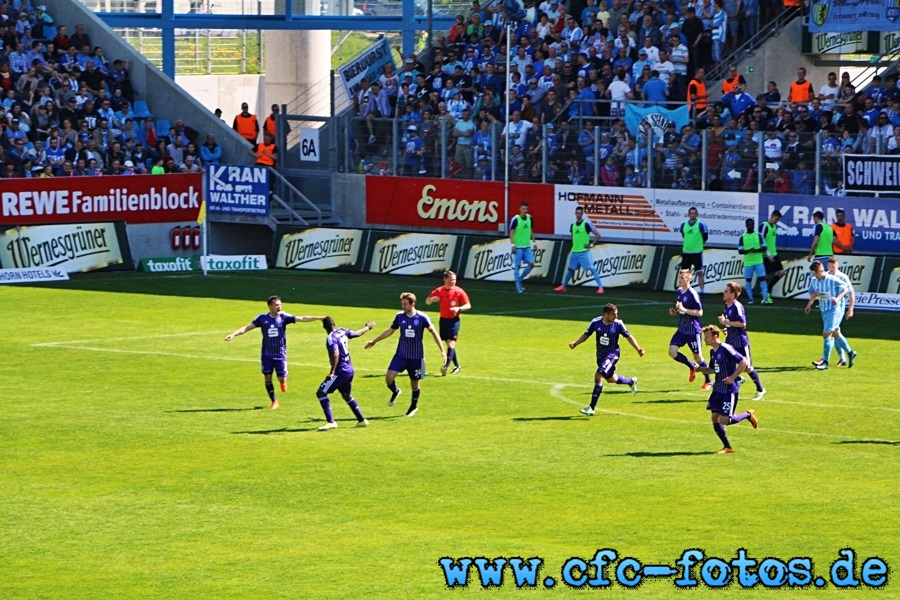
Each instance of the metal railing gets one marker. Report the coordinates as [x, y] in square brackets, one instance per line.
[595, 155]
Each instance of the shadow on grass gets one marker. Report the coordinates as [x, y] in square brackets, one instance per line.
[271, 431]
[875, 442]
[215, 410]
[673, 401]
[784, 369]
[660, 454]
[314, 424]
[567, 418]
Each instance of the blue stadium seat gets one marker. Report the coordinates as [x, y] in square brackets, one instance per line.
[141, 109]
[162, 127]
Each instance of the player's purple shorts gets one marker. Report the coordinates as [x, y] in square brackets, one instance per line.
[691, 339]
[341, 382]
[723, 403]
[414, 366]
[449, 328]
[278, 364]
[606, 365]
[745, 352]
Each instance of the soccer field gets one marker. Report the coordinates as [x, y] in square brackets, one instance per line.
[139, 458]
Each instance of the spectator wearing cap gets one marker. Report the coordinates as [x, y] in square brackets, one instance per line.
[218, 113]
[637, 69]
[738, 101]
[413, 151]
[379, 107]
[409, 68]
[246, 124]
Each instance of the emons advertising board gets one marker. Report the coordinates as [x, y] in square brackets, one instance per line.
[454, 204]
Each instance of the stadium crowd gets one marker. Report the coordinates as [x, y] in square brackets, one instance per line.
[571, 76]
[68, 110]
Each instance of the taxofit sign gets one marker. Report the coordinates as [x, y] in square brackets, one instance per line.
[240, 262]
[136, 199]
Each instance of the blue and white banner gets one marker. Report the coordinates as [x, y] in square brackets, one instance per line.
[33, 275]
[854, 15]
[368, 63]
[238, 190]
[876, 221]
[655, 116]
[878, 301]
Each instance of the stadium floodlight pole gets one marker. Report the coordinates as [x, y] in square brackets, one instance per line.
[506, 143]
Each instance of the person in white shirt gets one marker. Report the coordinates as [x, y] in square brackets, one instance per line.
[666, 68]
[829, 93]
[652, 52]
[517, 129]
[618, 92]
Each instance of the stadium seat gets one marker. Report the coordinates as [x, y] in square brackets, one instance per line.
[141, 109]
[162, 127]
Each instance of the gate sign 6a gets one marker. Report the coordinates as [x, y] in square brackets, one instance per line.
[309, 144]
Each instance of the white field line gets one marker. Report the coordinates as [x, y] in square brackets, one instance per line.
[71, 345]
[556, 392]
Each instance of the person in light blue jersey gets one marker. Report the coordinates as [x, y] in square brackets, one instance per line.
[340, 378]
[846, 355]
[584, 234]
[829, 292]
[410, 354]
[608, 328]
[273, 356]
[726, 364]
[734, 318]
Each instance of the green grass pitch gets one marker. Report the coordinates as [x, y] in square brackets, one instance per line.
[138, 457]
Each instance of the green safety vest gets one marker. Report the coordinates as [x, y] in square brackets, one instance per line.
[771, 233]
[522, 232]
[826, 238]
[693, 239]
[580, 237]
[752, 241]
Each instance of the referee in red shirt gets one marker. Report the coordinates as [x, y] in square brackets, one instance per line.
[453, 300]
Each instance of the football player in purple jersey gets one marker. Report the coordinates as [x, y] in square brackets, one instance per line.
[410, 354]
[727, 365]
[340, 378]
[608, 328]
[273, 356]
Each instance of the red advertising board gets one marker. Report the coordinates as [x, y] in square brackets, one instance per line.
[133, 199]
[453, 204]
